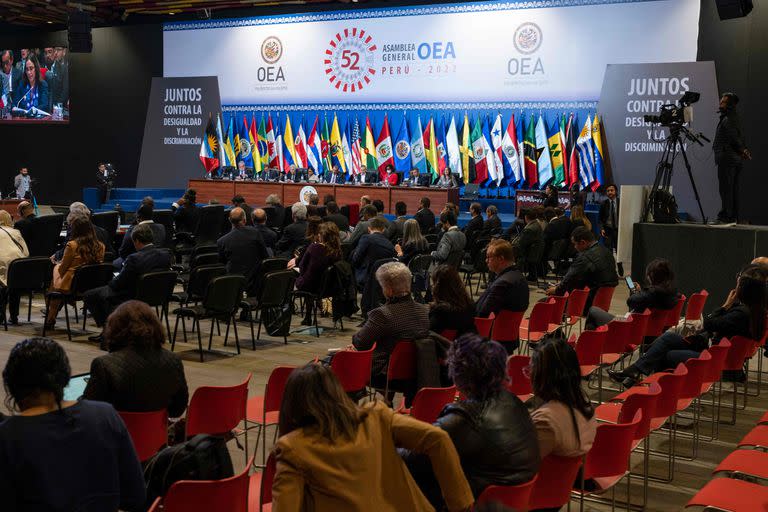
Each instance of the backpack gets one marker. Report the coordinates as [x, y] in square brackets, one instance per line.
[664, 207]
[203, 457]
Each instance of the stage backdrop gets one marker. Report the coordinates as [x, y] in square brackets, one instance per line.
[435, 62]
[635, 147]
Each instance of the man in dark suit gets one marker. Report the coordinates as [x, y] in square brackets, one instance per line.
[242, 250]
[508, 291]
[372, 247]
[594, 267]
[143, 217]
[239, 202]
[609, 220]
[730, 152]
[416, 179]
[530, 244]
[424, 216]
[475, 226]
[492, 224]
[10, 79]
[103, 300]
[367, 213]
[273, 201]
[271, 174]
[334, 176]
[267, 234]
[291, 176]
[295, 234]
[336, 217]
[395, 230]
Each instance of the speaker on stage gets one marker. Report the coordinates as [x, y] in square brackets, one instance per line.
[79, 32]
[729, 9]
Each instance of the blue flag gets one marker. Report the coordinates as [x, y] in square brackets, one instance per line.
[418, 158]
[402, 148]
[246, 151]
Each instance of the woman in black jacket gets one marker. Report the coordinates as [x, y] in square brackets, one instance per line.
[491, 427]
[138, 375]
[742, 314]
[451, 307]
[659, 294]
[186, 212]
[413, 242]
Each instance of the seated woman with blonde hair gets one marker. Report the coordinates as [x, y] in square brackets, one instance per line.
[12, 246]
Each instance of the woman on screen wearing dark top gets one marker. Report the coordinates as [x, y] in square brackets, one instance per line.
[660, 293]
[34, 90]
[452, 308]
[59, 455]
[742, 314]
[323, 252]
[413, 242]
[138, 375]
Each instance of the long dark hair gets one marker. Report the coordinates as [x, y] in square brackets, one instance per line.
[659, 273]
[89, 248]
[314, 397]
[35, 366]
[750, 291]
[447, 286]
[555, 375]
[36, 63]
[329, 237]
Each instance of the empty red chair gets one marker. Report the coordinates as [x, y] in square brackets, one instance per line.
[353, 368]
[641, 326]
[656, 323]
[230, 494]
[740, 349]
[674, 314]
[506, 326]
[554, 482]
[757, 437]
[695, 306]
[746, 462]
[574, 306]
[263, 410]
[218, 410]
[589, 349]
[763, 419]
[519, 382]
[536, 326]
[428, 403]
[260, 487]
[148, 430]
[608, 460]
[603, 297]
[484, 325]
[513, 496]
[617, 340]
[732, 495]
[402, 364]
[559, 309]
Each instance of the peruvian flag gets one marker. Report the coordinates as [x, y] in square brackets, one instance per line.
[301, 146]
[384, 155]
[274, 161]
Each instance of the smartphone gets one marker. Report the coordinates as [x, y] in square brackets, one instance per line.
[630, 283]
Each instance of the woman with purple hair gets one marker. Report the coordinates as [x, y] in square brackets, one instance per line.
[491, 427]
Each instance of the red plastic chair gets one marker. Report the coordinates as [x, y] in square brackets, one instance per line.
[260, 487]
[674, 314]
[506, 326]
[695, 306]
[353, 368]
[753, 463]
[230, 494]
[218, 410]
[756, 438]
[263, 410]
[515, 497]
[554, 481]
[484, 325]
[656, 323]
[763, 419]
[589, 350]
[608, 460]
[641, 326]
[148, 430]
[740, 349]
[603, 297]
[519, 383]
[536, 326]
[620, 333]
[402, 364]
[559, 309]
[732, 495]
[574, 307]
[428, 403]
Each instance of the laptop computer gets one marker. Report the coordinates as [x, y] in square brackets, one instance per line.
[76, 386]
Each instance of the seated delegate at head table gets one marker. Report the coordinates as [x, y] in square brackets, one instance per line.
[447, 179]
[416, 179]
[334, 176]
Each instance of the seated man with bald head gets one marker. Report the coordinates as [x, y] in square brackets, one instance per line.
[267, 234]
[242, 250]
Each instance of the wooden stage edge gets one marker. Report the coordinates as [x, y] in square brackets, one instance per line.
[255, 193]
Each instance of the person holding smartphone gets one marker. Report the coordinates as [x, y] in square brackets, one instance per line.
[659, 293]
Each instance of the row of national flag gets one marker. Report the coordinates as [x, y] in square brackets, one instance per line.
[486, 151]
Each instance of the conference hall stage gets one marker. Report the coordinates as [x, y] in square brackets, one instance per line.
[703, 256]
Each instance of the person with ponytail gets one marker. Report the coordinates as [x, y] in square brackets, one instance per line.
[742, 314]
[565, 423]
[57, 454]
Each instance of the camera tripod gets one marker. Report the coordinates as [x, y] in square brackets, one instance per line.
[673, 145]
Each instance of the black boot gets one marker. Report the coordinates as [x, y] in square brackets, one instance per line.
[621, 376]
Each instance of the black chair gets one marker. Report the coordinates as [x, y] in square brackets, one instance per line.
[276, 293]
[165, 217]
[47, 232]
[197, 284]
[372, 295]
[313, 300]
[220, 303]
[431, 238]
[108, 221]
[419, 267]
[86, 278]
[208, 258]
[201, 255]
[155, 289]
[28, 275]
[209, 224]
[251, 303]
[478, 266]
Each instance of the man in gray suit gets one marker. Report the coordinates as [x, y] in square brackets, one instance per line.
[450, 249]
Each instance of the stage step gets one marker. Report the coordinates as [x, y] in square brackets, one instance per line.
[125, 194]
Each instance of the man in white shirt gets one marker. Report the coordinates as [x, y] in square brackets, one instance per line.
[23, 184]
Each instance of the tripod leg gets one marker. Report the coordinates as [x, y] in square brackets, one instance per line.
[693, 184]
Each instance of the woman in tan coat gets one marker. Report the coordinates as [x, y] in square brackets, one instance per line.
[12, 246]
[333, 455]
[83, 249]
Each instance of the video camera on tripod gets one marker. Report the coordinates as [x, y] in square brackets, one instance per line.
[660, 200]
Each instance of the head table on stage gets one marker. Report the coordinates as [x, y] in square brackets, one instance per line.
[256, 192]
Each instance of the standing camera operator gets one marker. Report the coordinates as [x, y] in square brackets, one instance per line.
[729, 150]
[105, 177]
